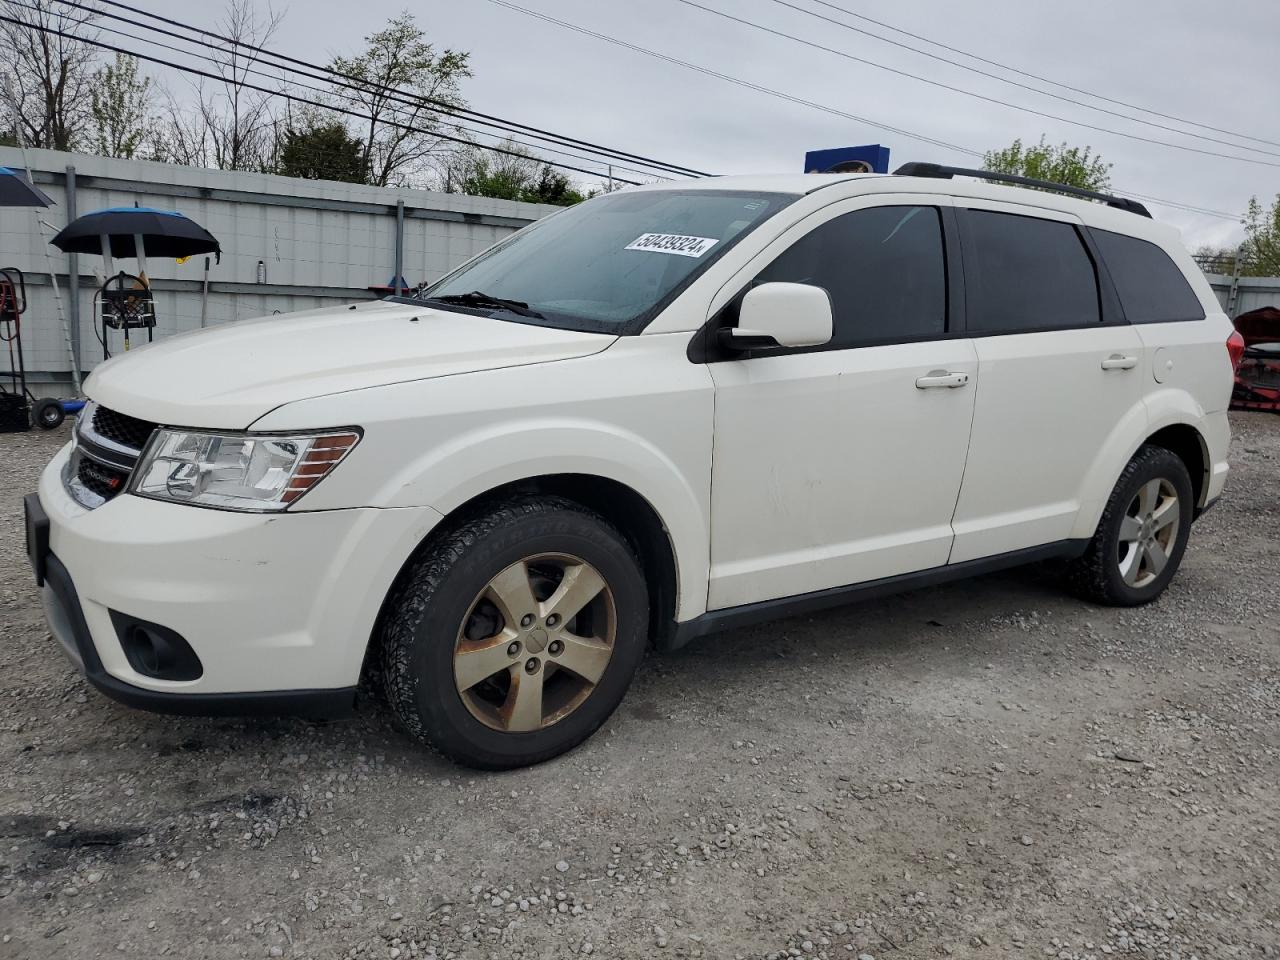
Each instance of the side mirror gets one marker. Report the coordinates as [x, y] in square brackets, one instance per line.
[781, 315]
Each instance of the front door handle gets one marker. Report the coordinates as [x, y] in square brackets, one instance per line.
[1119, 362]
[941, 378]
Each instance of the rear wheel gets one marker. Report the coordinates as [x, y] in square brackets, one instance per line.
[1142, 535]
[517, 633]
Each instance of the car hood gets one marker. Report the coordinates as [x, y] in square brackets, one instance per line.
[231, 375]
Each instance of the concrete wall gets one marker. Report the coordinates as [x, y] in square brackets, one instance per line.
[320, 242]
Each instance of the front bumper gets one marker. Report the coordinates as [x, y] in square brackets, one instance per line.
[279, 608]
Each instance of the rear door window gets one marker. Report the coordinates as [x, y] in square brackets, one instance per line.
[1024, 274]
[1151, 287]
[884, 269]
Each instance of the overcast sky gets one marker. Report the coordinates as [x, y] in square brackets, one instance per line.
[1212, 63]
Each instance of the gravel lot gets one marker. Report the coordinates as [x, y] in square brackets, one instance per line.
[984, 769]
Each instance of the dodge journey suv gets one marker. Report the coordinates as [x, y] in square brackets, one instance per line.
[662, 412]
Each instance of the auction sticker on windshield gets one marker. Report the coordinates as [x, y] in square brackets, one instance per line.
[672, 243]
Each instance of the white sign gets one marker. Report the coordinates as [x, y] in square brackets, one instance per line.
[672, 243]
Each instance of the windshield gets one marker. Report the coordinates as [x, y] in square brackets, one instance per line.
[609, 264]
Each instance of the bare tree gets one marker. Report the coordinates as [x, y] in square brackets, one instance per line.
[230, 125]
[50, 75]
[181, 136]
[398, 65]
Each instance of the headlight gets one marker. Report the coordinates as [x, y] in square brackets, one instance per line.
[237, 471]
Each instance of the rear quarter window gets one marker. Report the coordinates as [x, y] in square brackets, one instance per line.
[1151, 287]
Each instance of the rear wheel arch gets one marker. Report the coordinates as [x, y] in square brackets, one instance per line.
[1172, 428]
[1188, 444]
[1142, 533]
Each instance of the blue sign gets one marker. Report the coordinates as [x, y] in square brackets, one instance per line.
[871, 158]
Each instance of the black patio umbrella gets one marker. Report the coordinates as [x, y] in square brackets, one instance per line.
[136, 232]
[17, 191]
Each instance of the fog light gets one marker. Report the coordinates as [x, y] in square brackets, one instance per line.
[156, 651]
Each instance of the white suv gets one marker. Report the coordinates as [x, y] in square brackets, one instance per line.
[663, 412]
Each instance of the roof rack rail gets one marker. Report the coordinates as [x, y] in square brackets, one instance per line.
[941, 172]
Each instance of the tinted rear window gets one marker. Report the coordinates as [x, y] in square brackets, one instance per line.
[1151, 287]
[1025, 274]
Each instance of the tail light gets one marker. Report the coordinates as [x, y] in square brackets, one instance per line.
[1235, 350]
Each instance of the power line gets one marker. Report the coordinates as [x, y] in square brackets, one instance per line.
[1005, 66]
[1025, 86]
[1174, 204]
[294, 98]
[288, 96]
[247, 69]
[987, 99]
[577, 28]
[364, 86]
[410, 100]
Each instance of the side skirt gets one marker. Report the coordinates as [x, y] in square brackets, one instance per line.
[730, 618]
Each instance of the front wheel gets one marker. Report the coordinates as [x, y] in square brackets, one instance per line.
[1142, 535]
[516, 634]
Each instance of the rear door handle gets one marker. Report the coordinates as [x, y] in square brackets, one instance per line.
[1118, 362]
[941, 378]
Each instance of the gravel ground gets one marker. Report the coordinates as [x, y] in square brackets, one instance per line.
[983, 769]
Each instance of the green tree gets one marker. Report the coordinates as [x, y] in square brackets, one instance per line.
[120, 103]
[321, 150]
[1261, 246]
[552, 186]
[395, 77]
[1075, 166]
[482, 173]
[482, 176]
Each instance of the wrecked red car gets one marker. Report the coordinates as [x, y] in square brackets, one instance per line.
[1257, 384]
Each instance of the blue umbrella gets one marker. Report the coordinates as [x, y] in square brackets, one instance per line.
[17, 191]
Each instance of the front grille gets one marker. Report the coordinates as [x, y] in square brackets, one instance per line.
[122, 428]
[100, 479]
[108, 445]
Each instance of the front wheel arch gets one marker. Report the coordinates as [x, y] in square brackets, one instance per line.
[423, 638]
[620, 505]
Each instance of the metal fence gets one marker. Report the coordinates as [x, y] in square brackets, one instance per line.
[1223, 263]
[1239, 294]
[287, 245]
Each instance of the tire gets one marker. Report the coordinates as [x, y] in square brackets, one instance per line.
[1121, 566]
[48, 414]
[459, 610]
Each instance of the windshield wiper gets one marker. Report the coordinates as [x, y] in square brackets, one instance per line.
[477, 298]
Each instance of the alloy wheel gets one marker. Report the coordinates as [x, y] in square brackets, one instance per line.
[1148, 532]
[535, 642]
